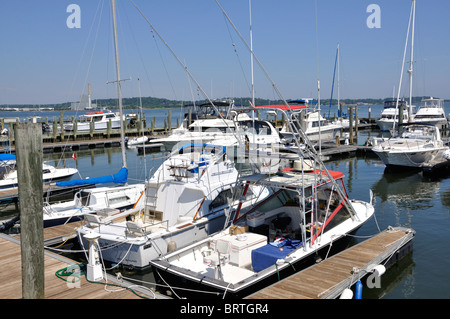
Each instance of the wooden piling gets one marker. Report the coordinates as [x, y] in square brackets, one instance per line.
[29, 175]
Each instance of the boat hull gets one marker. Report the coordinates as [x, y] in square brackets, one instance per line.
[416, 159]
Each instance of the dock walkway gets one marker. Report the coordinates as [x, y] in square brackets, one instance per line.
[329, 278]
[55, 287]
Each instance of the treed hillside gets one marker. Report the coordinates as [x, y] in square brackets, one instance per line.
[153, 102]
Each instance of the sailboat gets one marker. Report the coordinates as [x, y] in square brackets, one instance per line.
[418, 143]
[107, 201]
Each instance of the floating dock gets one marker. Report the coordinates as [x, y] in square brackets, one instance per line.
[55, 267]
[329, 278]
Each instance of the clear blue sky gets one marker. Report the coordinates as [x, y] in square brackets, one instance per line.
[43, 61]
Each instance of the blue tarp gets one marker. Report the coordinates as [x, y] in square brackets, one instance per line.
[267, 255]
[7, 157]
[118, 178]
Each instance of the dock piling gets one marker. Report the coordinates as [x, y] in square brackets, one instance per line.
[29, 175]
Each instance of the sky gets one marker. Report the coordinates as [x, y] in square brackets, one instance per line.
[45, 57]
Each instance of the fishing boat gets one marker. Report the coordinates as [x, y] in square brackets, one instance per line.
[432, 111]
[188, 197]
[307, 212]
[391, 114]
[105, 201]
[8, 172]
[416, 145]
[99, 119]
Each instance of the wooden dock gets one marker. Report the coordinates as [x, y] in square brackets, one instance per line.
[329, 278]
[54, 286]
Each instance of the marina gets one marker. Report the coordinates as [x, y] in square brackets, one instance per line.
[251, 199]
[335, 154]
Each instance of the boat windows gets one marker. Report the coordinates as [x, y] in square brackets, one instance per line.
[260, 128]
[221, 199]
[45, 171]
[429, 116]
[207, 129]
[116, 200]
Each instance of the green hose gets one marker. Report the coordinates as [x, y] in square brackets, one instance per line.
[69, 271]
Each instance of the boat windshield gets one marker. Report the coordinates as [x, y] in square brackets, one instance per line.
[418, 131]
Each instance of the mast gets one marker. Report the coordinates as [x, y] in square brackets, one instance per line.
[338, 57]
[410, 70]
[251, 67]
[119, 93]
[251, 53]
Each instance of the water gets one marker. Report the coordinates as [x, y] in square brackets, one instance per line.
[407, 199]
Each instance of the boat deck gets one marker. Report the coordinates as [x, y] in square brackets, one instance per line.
[328, 279]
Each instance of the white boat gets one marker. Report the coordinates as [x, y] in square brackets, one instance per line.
[306, 213]
[105, 201]
[8, 172]
[137, 140]
[318, 127]
[100, 121]
[222, 131]
[315, 126]
[186, 199]
[391, 114]
[420, 140]
[432, 111]
[416, 145]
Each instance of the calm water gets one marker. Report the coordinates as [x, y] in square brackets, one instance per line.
[407, 199]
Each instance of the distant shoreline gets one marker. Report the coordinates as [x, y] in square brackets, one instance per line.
[159, 103]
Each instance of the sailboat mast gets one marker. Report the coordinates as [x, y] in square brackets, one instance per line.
[251, 53]
[119, 91]
[410, 70]
[338, 57]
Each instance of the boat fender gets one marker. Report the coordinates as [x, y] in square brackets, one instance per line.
[346, 294]
[379, 270]
[171, 246]
[358, 290]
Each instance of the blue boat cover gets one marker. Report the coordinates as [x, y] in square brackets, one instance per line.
[267, 255]
[118, 178]
[7, 157]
